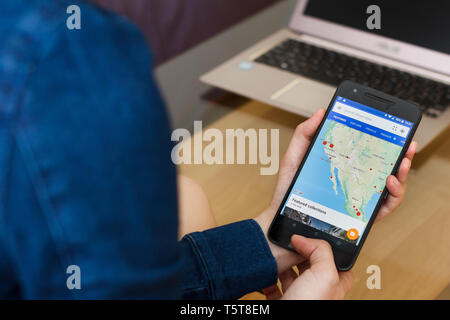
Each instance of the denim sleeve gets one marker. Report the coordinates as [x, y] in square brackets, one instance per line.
[227, 262]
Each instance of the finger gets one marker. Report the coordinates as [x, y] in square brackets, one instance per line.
[411, 150]
[309, 126]
[318, 252]
[286, 278]
[272, 293]
[346, 280]
[301, 139]
[394, 199]
[395, 188]
[403, 170]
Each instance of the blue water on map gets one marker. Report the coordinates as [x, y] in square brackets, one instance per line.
[314, 180]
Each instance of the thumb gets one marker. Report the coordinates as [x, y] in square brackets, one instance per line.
[301, 139]
[317, 252]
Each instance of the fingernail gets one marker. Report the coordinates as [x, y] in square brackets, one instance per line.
[408, 164]
[396, 182]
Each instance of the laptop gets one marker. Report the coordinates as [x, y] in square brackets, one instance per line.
[328, 41]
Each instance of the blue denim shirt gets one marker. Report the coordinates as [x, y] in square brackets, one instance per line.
[86, 176]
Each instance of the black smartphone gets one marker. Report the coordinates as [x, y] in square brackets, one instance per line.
[340, 184]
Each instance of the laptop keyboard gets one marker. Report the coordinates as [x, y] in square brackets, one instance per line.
[332, 67]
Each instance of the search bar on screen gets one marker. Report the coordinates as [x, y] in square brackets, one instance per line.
[371, 119]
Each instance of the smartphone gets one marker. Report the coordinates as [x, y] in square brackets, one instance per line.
[340, 184]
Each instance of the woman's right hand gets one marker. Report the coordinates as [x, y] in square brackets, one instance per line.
[319, 278]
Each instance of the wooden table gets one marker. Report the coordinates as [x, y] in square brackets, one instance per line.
[412, 246]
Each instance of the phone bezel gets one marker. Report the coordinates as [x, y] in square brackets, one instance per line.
[364, 95]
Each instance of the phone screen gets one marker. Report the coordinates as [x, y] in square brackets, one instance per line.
[345, 173]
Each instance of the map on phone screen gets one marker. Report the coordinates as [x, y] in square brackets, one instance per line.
[345, 174]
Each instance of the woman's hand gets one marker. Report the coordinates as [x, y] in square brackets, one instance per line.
[295, 152]
[288, 167]
[396, 185]
[318, 277]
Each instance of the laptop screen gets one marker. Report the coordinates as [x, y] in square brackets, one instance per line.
[422, 23]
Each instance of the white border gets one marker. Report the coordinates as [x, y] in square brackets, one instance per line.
[394, 49]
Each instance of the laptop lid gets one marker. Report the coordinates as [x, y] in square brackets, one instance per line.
[414, 32]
